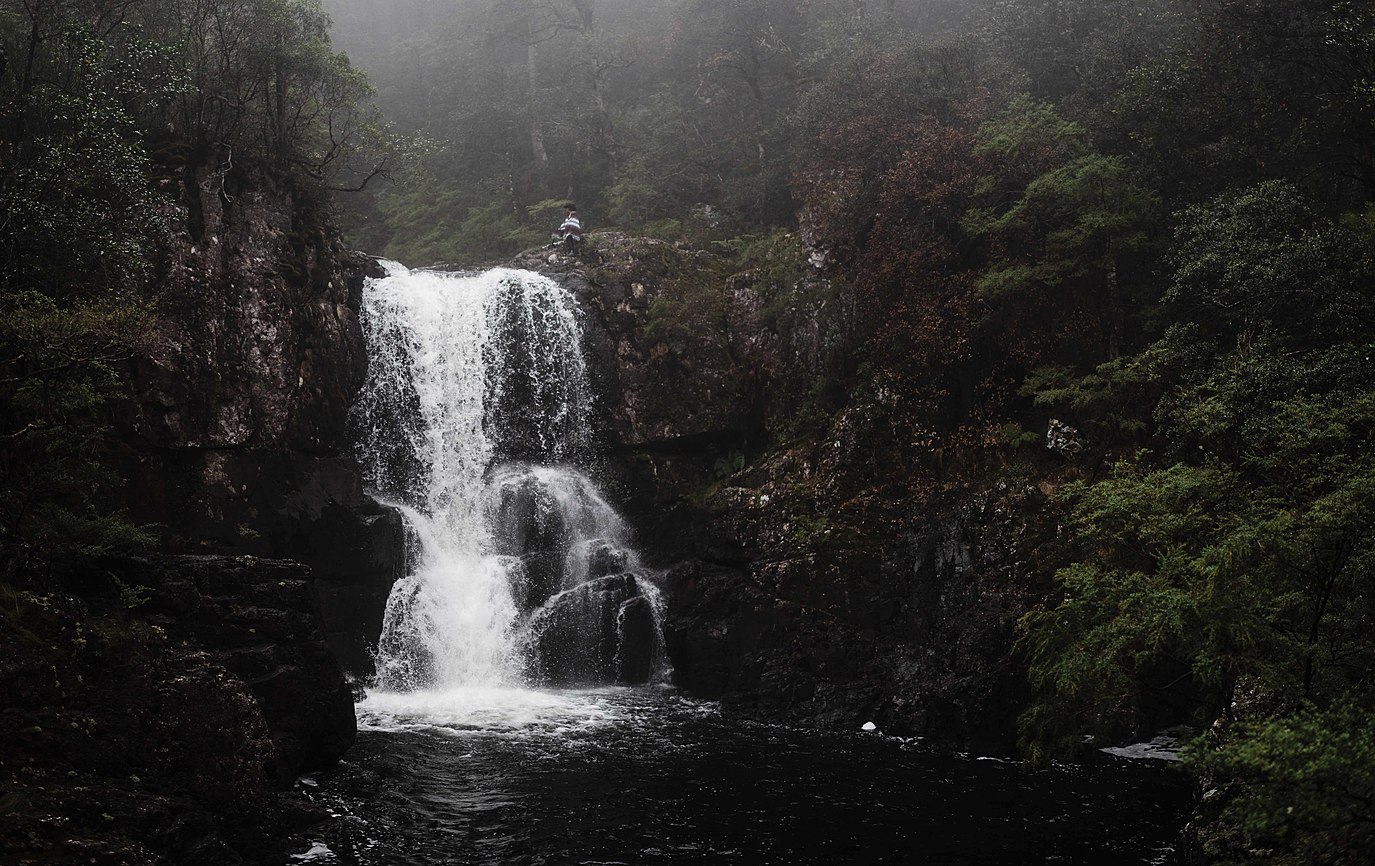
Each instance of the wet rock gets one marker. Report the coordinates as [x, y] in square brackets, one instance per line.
[1064, 439]
[654, 387]
[257, 619]
[542, 577]
[598, 632]
[528, 520]
[636, 641]
[258, 344]
[355, 555]
[151, 751]
[604, 558]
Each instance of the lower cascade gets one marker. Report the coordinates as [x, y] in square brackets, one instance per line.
[472, 422]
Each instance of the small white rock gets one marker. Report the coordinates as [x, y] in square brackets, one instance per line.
[868, 726]
[318, 851]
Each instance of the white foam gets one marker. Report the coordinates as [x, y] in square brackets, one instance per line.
[479, 709]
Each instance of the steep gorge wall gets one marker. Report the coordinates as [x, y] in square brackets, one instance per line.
[236, 429]
[163, 702]
[810, 582]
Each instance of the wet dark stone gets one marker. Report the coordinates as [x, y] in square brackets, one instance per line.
[635, 655]
[257, 618]
[543, 575]
[604, 558]
[356, 555]
[526, 523]
[594, 633]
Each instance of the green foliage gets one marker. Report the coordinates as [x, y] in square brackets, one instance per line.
[1109, 404]
[1297, 789]
[1031, 134]
[1169, 579]
[1265, 258]
[264, 84]
[1244, 550]
[664, 230]
[727, 465]
[1014, 435]
[1254, 90]
[131, 597]
[491, 231]
[77, 220]
[75, 203]
[1064, 225]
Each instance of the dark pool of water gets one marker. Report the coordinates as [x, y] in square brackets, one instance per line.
[646, 776]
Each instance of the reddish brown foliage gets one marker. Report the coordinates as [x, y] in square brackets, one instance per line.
[886, 180]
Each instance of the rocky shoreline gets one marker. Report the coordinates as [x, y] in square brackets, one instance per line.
[161, 724]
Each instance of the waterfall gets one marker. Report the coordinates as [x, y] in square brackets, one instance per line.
[473, 418]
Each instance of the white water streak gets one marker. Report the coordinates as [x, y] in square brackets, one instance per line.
[438, 369]
[467, 371]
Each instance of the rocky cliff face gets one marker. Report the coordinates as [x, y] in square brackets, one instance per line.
[235, 427]
[125, 742]
[163, 712]
[809, 581]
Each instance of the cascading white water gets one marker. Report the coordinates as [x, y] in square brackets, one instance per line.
[476, 405]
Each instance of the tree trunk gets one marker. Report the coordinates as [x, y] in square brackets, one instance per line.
[538, 153]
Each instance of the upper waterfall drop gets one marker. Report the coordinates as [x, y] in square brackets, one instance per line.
[476, 409]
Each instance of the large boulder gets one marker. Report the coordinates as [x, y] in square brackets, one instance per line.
[257, 619]
[598, 632]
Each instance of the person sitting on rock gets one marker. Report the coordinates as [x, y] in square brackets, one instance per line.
[571, 229]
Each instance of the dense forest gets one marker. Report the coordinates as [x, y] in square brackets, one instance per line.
[1150, 220]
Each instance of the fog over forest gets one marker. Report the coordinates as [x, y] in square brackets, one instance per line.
[671, 116]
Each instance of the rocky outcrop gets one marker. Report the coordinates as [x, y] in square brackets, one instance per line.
[256, 619]
[122, 743]
[241, 399]
[909, 627]
[258, 342]
[236, 426]
[806, 582]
